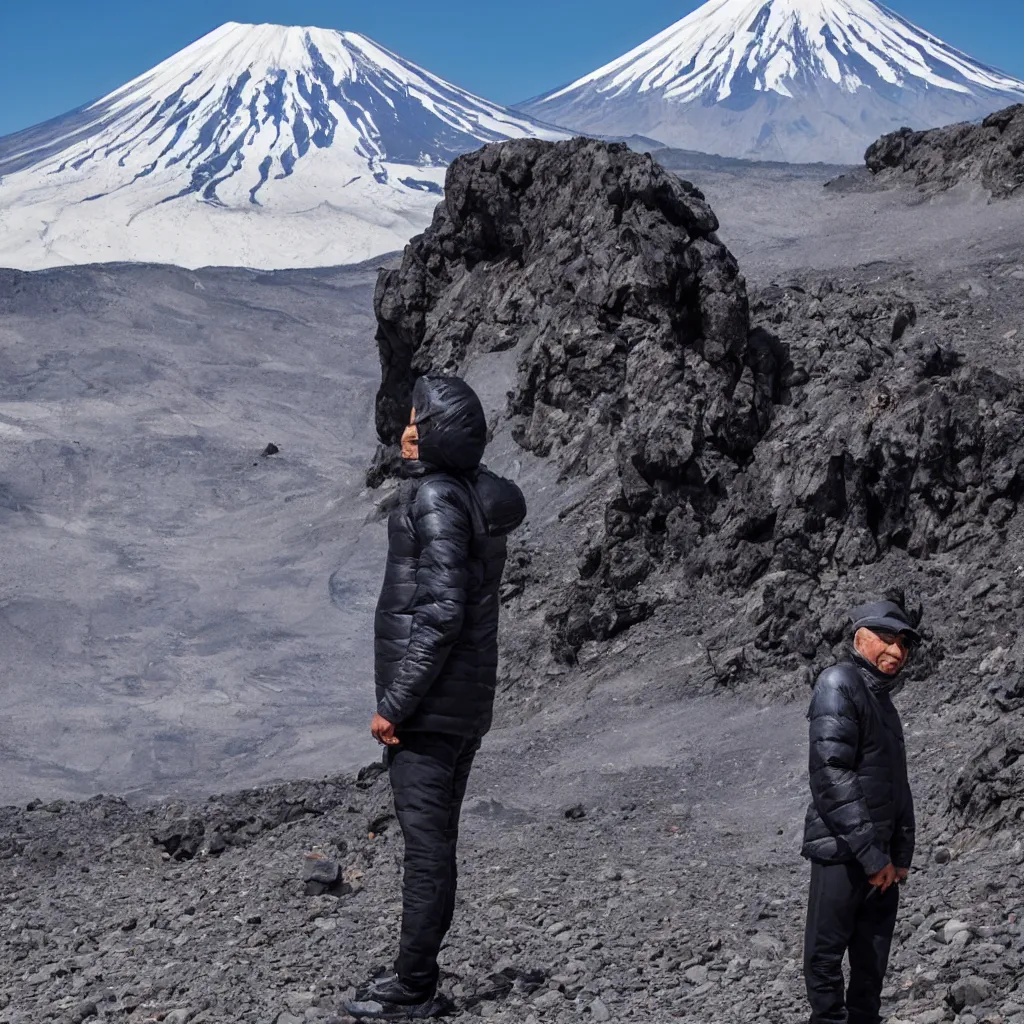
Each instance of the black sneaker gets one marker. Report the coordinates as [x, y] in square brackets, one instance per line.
[391, 999]
[369, 989]
[389, 988]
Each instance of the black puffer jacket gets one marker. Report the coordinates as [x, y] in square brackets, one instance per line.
[436, 627]
[861, 805]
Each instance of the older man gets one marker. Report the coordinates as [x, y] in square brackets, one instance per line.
[859, 832]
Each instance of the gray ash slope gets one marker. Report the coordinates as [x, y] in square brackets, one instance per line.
[677, 895]
[164, 610]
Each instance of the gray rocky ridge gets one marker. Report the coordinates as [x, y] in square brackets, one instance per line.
[990, 154]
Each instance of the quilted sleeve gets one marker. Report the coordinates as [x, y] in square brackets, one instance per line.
[835, 785]
[904, 838]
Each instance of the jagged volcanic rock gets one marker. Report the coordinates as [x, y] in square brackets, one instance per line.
[631, 325]
[991, 153]
[889, 449]
[765, 477]
[988, 793]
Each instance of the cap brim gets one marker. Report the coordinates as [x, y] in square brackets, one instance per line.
[887, 625]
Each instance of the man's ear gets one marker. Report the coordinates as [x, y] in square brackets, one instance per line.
[858, 640]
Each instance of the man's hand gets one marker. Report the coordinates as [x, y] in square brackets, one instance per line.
[901, 875]
[885, 878]
[383, 731]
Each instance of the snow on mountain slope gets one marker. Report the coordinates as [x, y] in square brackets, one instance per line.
[782, 79]
[258, 145]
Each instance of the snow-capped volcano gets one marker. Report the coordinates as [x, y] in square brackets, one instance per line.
[782, 79]
[258, 145]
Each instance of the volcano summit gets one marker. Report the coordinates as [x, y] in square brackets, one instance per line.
[258, 145]
[793, 80]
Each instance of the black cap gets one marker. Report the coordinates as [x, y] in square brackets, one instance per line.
[884, 616]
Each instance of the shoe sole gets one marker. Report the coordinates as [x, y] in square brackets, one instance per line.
[373, 1010]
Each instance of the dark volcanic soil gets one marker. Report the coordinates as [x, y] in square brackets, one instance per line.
[673, 890]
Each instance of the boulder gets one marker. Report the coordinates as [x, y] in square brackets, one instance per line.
[630, 325]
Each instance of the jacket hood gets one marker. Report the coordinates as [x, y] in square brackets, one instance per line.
[451, 424]
[499, 503]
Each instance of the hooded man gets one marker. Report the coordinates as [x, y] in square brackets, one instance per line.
[859, 831]
[436, 660]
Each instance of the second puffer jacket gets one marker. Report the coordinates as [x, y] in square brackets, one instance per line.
[436, 626]
[861, 805]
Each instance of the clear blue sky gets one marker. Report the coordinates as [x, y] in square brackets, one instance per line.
[58, 54]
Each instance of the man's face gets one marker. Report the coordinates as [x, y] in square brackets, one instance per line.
[411, 439]
[888, 652]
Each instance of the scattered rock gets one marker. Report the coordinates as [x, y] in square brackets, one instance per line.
[181, 839]
[370, 772]
[696, 975]
[951, 929]
[84, 1011]
[969, 991]
[318, 868]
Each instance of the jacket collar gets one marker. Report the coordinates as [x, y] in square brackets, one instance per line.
[413, 469]
[416, 469]
[878, 682]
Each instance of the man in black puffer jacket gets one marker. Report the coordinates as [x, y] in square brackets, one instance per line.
[859, 832]
[436, 656]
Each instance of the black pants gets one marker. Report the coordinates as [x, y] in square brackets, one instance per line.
[845, 913]
[429, 773]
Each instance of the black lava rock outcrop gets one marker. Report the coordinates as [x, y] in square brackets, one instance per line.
[630, 322]
[988, 793]
[769, 468]
[991, 153]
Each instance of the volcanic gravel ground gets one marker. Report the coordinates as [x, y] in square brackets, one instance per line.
[668, 891]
